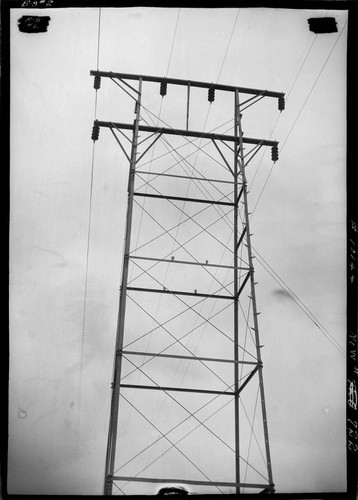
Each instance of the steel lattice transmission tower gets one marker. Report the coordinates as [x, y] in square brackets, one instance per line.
[188, 404]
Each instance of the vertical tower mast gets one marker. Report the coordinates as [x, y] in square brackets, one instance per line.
[131, 452]
[113, 423]
[252, 282]
[237, 172]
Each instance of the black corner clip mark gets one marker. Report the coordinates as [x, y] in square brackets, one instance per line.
[322, 25]
[33, 24]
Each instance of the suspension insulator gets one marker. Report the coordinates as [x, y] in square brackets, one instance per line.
[163, 88]
[95, 132]
[274, 153]
[97, 82]
[281, 103]
[211, 94]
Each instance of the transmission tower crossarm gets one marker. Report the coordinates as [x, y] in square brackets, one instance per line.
[186, 133]
[192, 83]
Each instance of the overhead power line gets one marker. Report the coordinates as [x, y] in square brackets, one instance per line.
[193, 166]
[153, 150]
[173, 41]
[79, 396]
[298, 301]
[287, 98]
[228, 45]
[160, 109]
[299, 113]
[313, 86]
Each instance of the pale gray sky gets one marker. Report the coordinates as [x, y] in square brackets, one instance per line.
[298, 226]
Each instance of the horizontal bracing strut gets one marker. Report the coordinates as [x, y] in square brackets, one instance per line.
[201, 179]
[182, 198]
[206, 264]
[194, 358]
[176, 389]
[177, 292]
[186, 133]
[188, 481]
[192, 83]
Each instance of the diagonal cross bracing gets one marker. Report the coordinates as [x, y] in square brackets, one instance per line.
[199, 179]
[183, 246]
[184, 408]
[193, 167]
[206, 320]
[180, 439]
[198, 149]
[197, 223]
[184, 158]
[176, 340]
[179, 342]
[176, 295]
[186, 334]
[173, 445]
[190, 432]
[202, 189]
[150, 145]
[192, 415]
[252, 426]
[172, 318]
[166, 231]
[120, 144]
[223, 157]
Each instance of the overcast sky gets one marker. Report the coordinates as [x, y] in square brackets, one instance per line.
[57, 441]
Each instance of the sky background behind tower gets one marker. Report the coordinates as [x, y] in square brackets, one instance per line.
[298, 225]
